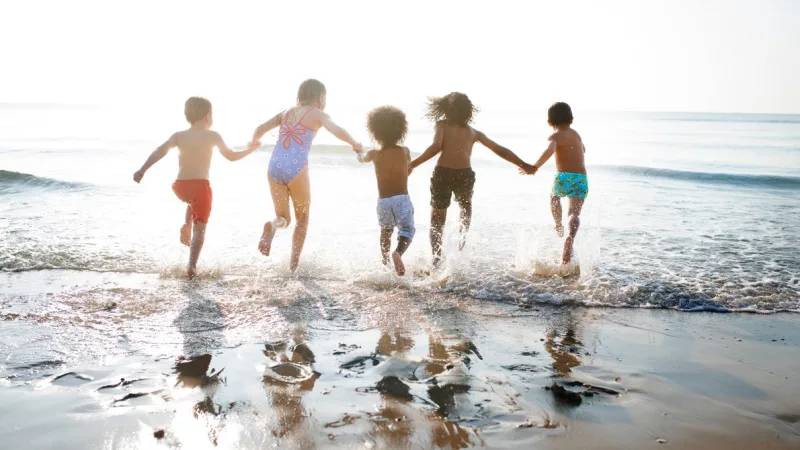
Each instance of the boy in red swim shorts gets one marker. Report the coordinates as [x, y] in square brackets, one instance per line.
[195, 147]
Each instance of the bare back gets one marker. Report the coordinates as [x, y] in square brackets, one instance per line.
[569, 151]
[391, 169]
[195, 147]
[456, 145]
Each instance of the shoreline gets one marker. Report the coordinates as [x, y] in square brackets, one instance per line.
[409, 372]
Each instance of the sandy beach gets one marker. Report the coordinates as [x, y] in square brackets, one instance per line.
[454, 373]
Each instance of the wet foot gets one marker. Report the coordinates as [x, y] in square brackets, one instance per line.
[560, 230]
[437, 262]
[191, 271]
[462, 241]
[186, 234]
[293, 265]
[399, 267]
[566, 257]
[265, 243]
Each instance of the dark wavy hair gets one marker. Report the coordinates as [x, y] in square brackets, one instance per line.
[454, 108]
[309, 92]
[559, 115]
[388, 125]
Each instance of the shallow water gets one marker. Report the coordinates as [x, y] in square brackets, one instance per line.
[692, 212]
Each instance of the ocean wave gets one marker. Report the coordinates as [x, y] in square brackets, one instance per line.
[767, 181]
[518, 288]
[10, 180]
[725, 118]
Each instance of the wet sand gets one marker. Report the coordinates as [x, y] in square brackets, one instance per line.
[465, 373]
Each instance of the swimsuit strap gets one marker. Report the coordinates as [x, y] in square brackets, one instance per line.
[300, 122]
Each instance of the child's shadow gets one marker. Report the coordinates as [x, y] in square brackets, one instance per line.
[201, 322]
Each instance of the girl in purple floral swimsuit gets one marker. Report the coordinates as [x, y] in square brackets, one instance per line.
[288, 165]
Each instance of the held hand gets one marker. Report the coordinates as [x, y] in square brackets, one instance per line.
[527, 169]
[253, 144]
[358, 148]
[138, 175]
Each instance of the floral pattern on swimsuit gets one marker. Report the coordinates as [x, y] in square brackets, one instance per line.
[290, 155]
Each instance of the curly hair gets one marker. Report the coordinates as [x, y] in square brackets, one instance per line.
[309, 92]
[387, 125]
[454, 108]
[559, 114]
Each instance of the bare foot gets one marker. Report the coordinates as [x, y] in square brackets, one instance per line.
[293, 265]
[560, 230]
[186, 234]
[566, 257]
[462, 241]
[191, 271]
[399, 267]
[265, 244]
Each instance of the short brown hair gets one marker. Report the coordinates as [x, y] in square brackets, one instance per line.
[388, 125]
[196, 109]
[559, 114]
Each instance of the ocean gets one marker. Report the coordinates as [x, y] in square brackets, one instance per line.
[686, 211]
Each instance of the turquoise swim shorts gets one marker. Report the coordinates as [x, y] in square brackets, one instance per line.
[569, 184]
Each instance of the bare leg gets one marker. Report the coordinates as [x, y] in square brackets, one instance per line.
[280, 199]
[198, 238]
[186, 228]
[438, 219]
[397, 255]
[300, 191]
[465, 219]
[555, 208]
[386, 244]
[575, 206]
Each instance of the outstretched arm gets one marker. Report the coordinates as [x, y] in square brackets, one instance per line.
[156, 156]
[231, 155]
[551, 148]
[265, 127]
[339, 132]
[502, 152]
[431, 151]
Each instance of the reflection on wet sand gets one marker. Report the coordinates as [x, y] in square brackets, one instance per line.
[288, 378]
[565, 351]
[193, 372]
[444, 369]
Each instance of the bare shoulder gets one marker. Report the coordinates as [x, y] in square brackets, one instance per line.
[475, 134]
[213, 136]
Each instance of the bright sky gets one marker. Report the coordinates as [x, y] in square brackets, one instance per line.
[673, 55]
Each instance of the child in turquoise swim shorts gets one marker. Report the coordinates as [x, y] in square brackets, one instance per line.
[571, 179]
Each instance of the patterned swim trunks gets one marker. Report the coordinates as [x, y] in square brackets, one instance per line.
[397, 212]
[568, 184]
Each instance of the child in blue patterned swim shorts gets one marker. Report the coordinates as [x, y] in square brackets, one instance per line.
[571, 178]
[388, 127]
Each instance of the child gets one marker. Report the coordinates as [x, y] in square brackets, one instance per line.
[571, 178]
[195, 147]
[388, 127]
[453, 174]
[288, 165]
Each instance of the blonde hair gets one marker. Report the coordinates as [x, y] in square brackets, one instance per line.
[196, 109]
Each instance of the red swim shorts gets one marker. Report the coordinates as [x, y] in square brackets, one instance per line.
[197, 193]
